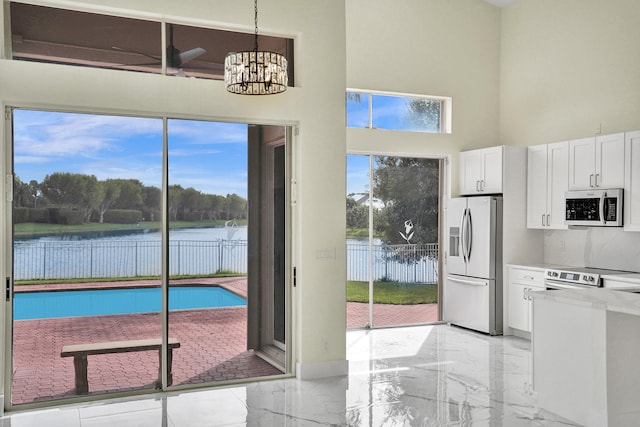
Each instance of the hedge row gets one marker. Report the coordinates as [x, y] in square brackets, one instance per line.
[68, 216]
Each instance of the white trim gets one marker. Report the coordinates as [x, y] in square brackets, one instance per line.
[311, 371]
[446, 108]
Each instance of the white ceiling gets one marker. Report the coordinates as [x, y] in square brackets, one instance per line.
[500, 3]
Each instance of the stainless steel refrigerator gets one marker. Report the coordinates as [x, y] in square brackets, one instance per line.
[472, 291]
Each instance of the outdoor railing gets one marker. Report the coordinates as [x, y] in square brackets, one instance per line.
[396, 263]
[122, 258]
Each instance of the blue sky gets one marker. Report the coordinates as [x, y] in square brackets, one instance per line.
[208, 156]
[357, 174]
[387, 112]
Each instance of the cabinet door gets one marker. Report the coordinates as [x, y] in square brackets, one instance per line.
[632, 182]
[470, 172]
[518, 307]
[557, 183]
[610, 161]
[491, 170]
[582, 162]
[537, 186]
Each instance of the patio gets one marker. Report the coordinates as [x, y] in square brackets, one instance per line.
[213, 345]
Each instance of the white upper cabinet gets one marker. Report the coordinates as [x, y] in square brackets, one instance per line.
[597, 162]
[632, 182]
[481, 171]
[537, 186]
[547, 182]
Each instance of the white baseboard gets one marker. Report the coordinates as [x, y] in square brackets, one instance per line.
[312, 371]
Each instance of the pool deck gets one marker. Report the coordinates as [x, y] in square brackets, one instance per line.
[213, 343]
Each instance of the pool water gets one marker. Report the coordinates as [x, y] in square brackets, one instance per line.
[48, 305]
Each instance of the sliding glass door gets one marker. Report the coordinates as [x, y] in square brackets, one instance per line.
[112, 218]
[393, 208]
[86, 254]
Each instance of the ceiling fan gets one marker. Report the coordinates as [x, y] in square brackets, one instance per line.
[175, 58]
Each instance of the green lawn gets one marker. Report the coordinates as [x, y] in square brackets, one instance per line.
[393, 292]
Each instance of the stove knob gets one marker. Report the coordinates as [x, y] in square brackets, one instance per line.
[588, 278]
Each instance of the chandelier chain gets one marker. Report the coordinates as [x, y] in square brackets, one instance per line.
[255, 10]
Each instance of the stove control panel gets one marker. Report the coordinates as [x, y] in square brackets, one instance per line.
[573, 277]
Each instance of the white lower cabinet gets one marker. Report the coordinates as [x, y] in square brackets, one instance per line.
[522, 280]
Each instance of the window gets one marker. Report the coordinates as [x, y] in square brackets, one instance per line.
[398, 112]
[46, 34]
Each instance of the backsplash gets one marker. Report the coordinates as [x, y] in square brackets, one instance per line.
[599, 247]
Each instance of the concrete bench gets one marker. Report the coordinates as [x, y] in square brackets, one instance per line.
[81, 351]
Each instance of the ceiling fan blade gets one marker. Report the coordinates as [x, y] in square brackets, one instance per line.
[190, 54]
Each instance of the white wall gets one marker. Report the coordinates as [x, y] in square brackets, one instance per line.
[569, 69]
[317, 106]
[430, 47]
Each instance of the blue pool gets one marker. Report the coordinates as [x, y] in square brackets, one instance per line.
[47, 305]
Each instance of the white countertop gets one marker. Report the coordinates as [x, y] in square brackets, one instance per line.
[541, 266]
[597, 298]
[626, 277]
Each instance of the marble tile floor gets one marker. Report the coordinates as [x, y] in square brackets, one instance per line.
[414, 376]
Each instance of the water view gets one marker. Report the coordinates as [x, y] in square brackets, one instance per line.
[131, 254]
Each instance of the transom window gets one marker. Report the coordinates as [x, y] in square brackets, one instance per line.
[52, 35]
[376, 110]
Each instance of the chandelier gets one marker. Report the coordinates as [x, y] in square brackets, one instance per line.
[255, 72]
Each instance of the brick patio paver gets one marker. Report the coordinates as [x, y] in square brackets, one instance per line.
[213, 344]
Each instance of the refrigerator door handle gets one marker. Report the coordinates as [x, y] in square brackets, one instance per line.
[467, 282]
[469, 233]
[463, 244]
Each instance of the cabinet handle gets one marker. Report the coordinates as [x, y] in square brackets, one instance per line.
[482, 185]
[524, 294]
[597, 175]
[477, 185]
[591, 180]
[548, 220]
[542, 220]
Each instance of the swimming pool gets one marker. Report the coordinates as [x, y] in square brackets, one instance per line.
[48, 305]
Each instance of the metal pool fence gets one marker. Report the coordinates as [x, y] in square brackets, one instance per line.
[394, 263]
[121, 258]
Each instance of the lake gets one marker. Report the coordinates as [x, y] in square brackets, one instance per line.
[195, 251]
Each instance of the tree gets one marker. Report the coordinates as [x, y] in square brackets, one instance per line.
[175, 198]
[214, 205]
[152, 201]
[73, 190]
[20, 193]
[130, 196]
[110, 190]
[357, 214]
[424, 114]
[408, 188]
[236, 207]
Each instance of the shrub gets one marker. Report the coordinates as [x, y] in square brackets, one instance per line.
[40, 215]
[20, 215]
[65, 216]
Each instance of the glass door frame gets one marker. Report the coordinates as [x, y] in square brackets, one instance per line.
[443, 193]
[7, 166]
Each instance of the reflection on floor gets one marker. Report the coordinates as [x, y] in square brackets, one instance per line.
[414, 376]
[385, 315]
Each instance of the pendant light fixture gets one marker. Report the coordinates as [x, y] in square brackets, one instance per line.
[255, 72]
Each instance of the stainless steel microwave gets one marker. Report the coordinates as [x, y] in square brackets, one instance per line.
[594, 207]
